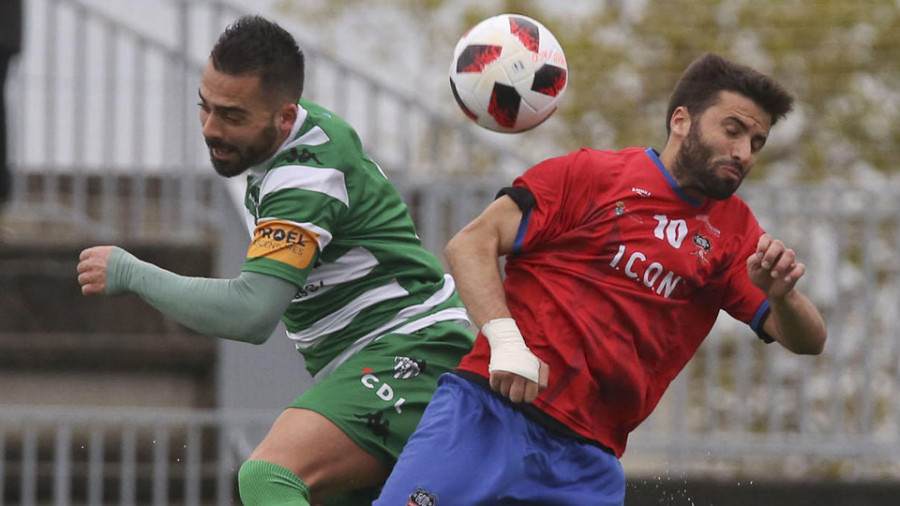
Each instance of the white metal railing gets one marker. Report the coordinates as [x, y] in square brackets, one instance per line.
[71, 455]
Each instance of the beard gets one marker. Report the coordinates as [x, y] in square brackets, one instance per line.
[248, 155]
[694, 165]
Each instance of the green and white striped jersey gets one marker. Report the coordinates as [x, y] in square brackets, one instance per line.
[324, 217]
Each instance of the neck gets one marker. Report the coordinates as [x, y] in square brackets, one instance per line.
[668, 157]
[668, 154]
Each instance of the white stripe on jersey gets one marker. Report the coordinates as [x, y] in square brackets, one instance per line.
[344, 316]
[322, 180]
[355, 264]
[457, 314]
[315, 137]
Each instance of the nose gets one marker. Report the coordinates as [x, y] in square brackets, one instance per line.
[742, 151]
[211, 125]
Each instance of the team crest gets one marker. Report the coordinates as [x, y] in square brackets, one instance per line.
[420, 497]
[406, 368]
[703, 248]
[620, 208]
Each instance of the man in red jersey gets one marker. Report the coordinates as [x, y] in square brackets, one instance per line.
[618, 264]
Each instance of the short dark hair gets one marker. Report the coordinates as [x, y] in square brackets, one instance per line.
[255, 45]
[710, 74]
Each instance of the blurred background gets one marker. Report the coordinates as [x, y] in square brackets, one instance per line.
[104, 401]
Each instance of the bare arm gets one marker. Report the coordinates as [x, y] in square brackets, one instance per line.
[473, 255]
[794, 321]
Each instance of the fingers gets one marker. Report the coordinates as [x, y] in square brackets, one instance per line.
[532, 389]
[92, 271]
[773, 257]
[519, 389]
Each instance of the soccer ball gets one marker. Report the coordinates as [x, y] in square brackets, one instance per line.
[508, 73]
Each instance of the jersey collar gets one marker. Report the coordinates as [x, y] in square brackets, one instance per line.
[259, 170]
[654, 156]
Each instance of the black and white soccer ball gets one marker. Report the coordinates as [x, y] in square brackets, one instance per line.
[508, 73]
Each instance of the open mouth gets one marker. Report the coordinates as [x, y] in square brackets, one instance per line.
[222, 152]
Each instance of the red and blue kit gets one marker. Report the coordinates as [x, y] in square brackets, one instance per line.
[615, 279]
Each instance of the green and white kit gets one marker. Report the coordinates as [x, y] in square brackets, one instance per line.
[375, 318]
[372, 313]
[370, 273]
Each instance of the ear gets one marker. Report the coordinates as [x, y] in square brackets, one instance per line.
[287, 117]
[680, 122]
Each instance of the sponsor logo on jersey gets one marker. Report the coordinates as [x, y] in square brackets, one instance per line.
[383, 390]
[307, 290]
[421, 497]
[304, 155]
[653, 275]
[640, 191]
[284, 242]
[406, 368]
[375, 423]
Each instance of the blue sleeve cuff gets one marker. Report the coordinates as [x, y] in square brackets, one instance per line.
[520, 234]
[759, 319]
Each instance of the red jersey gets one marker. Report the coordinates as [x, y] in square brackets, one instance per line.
[615, 279]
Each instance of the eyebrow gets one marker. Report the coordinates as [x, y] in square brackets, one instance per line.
[224, 109]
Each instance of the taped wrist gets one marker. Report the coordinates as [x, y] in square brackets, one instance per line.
[508, 350]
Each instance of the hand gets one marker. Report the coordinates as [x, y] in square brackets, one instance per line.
[517, 388]
[773, 268]
[92, 269]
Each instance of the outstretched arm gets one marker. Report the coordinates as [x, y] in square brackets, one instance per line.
[247, 308]
[794, 321]
[473, 255]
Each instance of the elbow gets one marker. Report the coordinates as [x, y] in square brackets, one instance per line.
[252, 332]
[458, 247]
[470, 242]
[815, 345]
[452, 248]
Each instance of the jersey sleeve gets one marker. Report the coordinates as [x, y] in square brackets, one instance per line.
[562, 188]
[743, 300]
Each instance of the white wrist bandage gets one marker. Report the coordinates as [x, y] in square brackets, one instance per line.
[508, 350]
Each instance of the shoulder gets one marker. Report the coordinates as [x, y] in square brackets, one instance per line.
[587, 165]
[735, 205]
[735, 218]
[317, 117]
[321, 138]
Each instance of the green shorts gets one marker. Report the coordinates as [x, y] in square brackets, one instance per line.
[378, 395]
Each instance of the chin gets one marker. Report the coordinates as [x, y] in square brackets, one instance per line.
[226, 169]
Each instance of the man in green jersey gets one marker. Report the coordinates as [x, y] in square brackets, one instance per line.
[334, 255]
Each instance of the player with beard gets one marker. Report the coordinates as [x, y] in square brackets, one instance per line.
[617, 265]
[334, 255]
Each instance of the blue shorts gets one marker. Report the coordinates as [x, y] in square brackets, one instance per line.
[472, 448]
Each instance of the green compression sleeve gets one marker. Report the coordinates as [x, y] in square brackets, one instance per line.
[247, 308]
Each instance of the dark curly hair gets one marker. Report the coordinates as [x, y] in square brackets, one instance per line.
[702, 81]
[255, 45]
